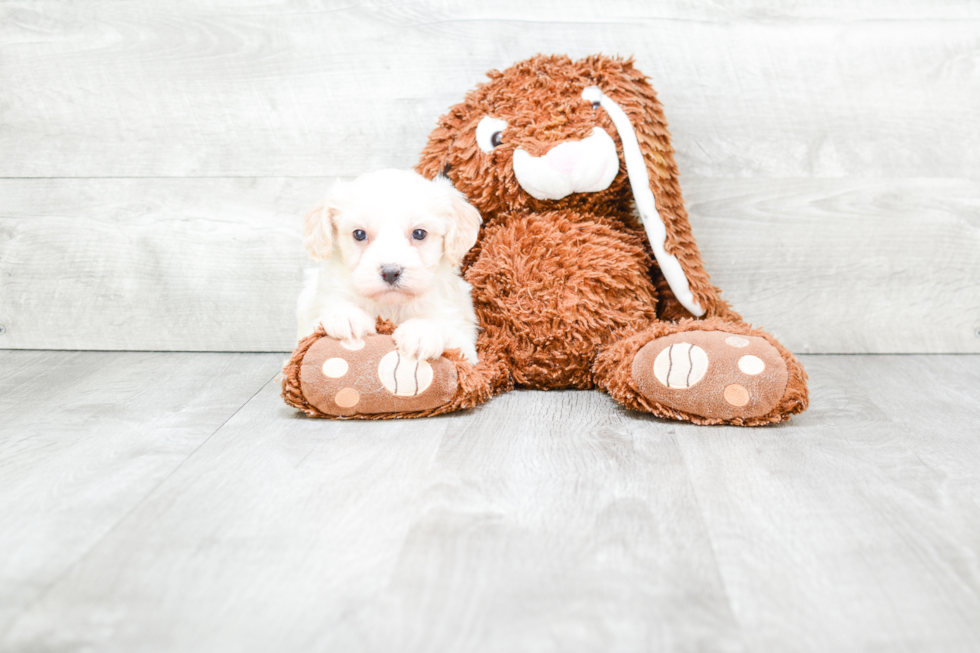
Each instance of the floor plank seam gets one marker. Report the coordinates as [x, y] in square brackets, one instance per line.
[711, 543]
[81, 559]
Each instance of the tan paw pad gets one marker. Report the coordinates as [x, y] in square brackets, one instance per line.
[369, 376]
[712, 374]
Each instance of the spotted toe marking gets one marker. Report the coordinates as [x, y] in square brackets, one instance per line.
[680, 365]
[347, 398]
[404, 376]
[751, 365]
[736, 341]
[736, 395]
[335, 367]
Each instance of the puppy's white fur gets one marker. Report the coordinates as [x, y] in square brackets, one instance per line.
[430, 302]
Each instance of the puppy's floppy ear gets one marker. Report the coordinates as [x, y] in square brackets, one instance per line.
[318, 224]
[464, 224]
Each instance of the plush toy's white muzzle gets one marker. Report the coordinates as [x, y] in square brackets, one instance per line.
[585, 166]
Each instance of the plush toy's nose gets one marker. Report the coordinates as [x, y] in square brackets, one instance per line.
[564, 158]
[585, 166]
[391, 273]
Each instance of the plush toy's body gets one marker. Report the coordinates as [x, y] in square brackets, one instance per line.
[571, 289]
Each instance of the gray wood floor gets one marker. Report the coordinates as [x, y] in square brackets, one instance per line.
[172, 502]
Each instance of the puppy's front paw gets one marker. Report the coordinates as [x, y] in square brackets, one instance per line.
[419, 339]
[349, 324]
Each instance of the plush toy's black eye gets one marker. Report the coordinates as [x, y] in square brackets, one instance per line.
[419, 234]
[596, 105]
[359, 234]
[489, 133]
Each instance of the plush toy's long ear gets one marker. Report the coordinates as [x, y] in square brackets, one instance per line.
[318, 224]
[464, 226]
[653, 177]
[434, 157]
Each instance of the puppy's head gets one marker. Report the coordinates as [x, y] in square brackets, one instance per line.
[394, 230]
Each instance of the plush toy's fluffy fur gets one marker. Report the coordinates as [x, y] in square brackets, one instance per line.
[562, 283]
[567, 290]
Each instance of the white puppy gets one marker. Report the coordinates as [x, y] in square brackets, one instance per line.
[391, 243]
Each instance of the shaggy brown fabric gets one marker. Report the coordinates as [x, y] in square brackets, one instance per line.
[567, 291]
[553, 287]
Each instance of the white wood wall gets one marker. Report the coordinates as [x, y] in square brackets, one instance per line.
[155, 157]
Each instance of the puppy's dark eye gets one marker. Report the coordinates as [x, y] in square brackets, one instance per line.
[496, 139]
[596, 105]
[359, 234]
[419, 234]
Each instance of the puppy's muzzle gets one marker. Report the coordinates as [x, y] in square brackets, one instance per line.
[391, 273]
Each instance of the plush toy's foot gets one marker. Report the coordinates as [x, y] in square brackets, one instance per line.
[704, 371]
[371, 380]
[368, 377]
[711, 374]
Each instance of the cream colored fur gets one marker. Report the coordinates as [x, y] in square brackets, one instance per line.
[429, 302]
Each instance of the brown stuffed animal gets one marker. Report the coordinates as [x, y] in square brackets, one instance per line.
[572, 286]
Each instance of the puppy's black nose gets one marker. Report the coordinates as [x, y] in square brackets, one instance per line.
[390, 273]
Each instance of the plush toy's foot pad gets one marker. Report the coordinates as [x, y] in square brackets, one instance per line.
[711, 374]
[370, 376]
